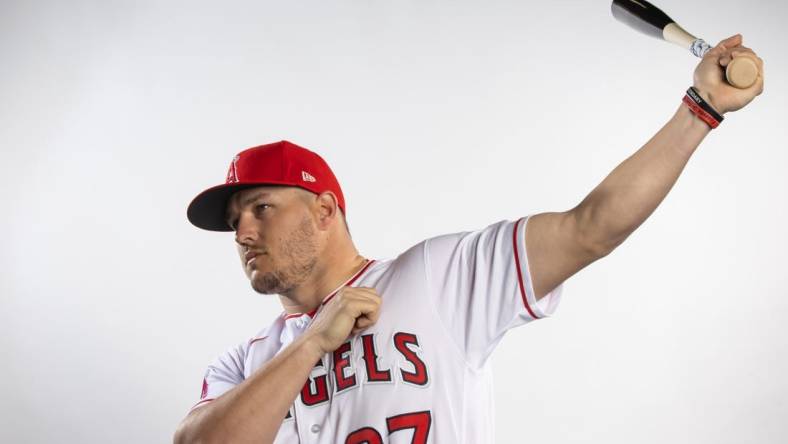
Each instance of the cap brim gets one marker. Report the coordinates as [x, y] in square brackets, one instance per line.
[207, 210]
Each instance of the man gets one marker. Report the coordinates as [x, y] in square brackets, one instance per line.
[396, 351]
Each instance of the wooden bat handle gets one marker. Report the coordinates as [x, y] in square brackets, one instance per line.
[742, 72]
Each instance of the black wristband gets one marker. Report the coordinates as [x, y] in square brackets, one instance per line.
[695, 96]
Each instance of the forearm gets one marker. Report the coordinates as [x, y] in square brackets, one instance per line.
[634, 189]
[254, 410]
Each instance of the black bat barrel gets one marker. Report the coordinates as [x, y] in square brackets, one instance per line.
[641, 15]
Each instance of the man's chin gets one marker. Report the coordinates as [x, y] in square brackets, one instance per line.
[263, 289]
[266, 284]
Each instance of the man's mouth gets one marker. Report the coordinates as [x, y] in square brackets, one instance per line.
[250, 257]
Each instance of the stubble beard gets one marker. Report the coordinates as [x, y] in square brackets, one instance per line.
[299, 258]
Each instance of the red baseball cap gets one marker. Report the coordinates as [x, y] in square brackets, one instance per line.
[281, 163]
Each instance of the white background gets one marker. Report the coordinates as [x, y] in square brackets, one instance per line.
[437, 117]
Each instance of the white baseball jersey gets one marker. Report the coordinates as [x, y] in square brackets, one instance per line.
[420, 374]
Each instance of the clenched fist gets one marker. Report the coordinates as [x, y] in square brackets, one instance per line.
[709, 77]
[350, 311]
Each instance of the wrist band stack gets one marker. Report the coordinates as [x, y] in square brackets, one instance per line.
[702, 109]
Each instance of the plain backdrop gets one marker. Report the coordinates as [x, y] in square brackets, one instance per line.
[437, 117]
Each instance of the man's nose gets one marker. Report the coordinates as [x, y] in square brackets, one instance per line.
[246, 232]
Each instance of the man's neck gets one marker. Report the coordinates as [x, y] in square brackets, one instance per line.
[329, 276]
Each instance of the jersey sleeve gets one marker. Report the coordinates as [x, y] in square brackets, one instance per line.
[223, 374]
[481, 286]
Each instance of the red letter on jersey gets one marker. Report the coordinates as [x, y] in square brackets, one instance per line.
[374, 374]
[308, 397]
[419, 377]
[341, 362]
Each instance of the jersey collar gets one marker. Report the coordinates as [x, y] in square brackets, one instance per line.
[347, 283]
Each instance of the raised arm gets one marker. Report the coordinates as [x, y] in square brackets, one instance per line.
[561, 244]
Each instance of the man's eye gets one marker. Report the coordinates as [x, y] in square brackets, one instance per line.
[261, 207]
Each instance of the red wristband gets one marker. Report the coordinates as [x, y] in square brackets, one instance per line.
[700, 112]
[701, 109]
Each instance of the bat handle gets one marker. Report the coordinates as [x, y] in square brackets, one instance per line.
[699, 48]
[741, 72]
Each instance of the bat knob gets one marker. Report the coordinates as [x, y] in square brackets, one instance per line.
[742, 72]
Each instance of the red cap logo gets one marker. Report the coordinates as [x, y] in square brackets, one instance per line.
[232, 172]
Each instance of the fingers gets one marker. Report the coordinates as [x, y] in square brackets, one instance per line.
[730, 42]
[363, 304]
[362, 323]
[731, 48]
[366, 299]
[370, 313]
[740, 51]
[350, 311]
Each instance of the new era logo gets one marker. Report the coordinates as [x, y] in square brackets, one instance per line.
[307, 177]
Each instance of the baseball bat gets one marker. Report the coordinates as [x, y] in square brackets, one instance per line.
[741, 72]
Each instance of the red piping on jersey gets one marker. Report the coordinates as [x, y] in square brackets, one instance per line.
[328, 298]
[253, 340]
[350, 282]
[201, 402]
[520, 272]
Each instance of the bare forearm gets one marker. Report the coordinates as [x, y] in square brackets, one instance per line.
[634, 189]
[254, 410]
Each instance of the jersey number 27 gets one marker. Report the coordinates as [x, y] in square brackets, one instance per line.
[418, 421]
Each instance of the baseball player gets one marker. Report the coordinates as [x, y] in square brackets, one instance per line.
[395, 351]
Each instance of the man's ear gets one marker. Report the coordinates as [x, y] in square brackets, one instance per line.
[327, 209]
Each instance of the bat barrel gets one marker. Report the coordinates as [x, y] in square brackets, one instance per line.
[642, 16]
